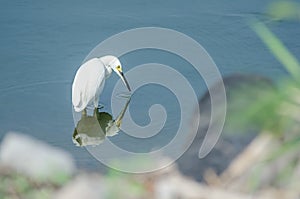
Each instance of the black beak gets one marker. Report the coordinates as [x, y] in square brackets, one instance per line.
[125, 81]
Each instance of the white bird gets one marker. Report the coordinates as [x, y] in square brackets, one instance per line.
[90, 78]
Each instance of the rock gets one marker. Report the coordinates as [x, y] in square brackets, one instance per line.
[83, 186]
[178, 186]
[95, 186]
[230, 144]
[35, 158]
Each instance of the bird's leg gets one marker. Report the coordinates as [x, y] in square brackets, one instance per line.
[95, 112]
[96, 102]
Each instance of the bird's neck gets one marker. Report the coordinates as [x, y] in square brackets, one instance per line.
[106, 61]
[108, 71]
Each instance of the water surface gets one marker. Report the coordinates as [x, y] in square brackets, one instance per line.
[43, 43]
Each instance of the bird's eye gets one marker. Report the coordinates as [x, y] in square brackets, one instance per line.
[118, 67]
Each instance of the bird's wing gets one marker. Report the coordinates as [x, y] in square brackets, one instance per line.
[87, 80]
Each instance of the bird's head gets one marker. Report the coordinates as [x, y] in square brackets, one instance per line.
[117, 68]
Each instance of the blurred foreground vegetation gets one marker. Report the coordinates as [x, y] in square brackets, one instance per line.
[276, 113]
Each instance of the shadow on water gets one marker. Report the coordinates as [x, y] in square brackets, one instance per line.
[92, 129]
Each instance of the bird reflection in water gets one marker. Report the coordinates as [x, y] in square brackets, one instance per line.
[92, 130]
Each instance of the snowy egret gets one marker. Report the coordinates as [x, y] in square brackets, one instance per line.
[90, 78]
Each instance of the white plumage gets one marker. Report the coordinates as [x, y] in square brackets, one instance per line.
[90, 79]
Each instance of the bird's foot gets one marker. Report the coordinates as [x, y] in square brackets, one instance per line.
[100, 106]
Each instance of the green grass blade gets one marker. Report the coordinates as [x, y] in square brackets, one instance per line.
[278, 49]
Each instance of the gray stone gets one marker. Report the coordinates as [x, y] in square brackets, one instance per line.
[35, 158]
[83, 186]
[230, 143]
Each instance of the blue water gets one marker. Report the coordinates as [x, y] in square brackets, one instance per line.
[44, 42]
